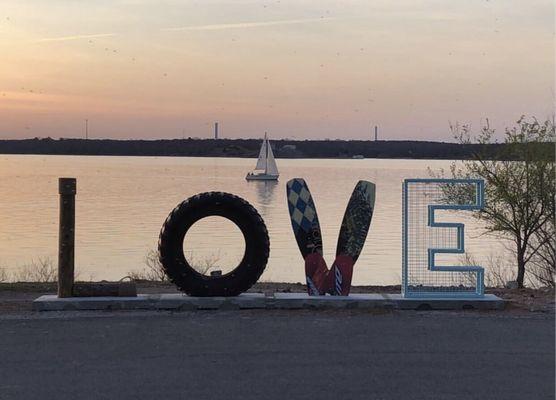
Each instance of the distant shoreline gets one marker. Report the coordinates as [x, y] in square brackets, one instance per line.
[249, 148]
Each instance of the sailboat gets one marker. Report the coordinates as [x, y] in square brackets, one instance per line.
[266, 169]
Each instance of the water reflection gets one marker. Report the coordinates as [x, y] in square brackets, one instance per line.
[122, 202]
[266, 192]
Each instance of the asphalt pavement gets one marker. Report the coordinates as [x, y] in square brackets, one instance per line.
[263, 354]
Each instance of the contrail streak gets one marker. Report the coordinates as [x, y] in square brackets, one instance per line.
[241, 25]
[76, 37]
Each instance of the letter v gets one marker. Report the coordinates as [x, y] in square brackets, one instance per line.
[353, 233]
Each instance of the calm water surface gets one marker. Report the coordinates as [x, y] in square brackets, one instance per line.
[123, 201]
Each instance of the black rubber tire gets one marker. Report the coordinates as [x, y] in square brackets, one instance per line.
[237, 210]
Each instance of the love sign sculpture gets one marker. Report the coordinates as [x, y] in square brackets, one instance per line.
[424, 237]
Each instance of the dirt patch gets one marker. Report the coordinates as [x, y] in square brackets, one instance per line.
[530, 300]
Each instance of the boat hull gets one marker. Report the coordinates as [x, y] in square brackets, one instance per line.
[261, 177]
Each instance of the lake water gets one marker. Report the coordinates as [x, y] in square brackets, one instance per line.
[122, 202]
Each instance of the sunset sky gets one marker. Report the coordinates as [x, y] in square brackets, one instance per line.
[295, 68]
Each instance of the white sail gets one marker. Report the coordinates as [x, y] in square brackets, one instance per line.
[261, 162]
[271, 167]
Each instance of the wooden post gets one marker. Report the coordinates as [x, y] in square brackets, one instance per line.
[67, 188]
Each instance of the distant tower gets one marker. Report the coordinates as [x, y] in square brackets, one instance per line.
[376, 133]
[86, 129]
[216, 130]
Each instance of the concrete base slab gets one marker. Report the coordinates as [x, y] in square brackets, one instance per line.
[261, 301]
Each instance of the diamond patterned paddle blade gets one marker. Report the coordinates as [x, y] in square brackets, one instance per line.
[304, 219]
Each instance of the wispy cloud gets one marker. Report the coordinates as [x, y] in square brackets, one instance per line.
[242, 25]
[76, 37]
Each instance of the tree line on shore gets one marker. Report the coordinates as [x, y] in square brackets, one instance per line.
[192, 147]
